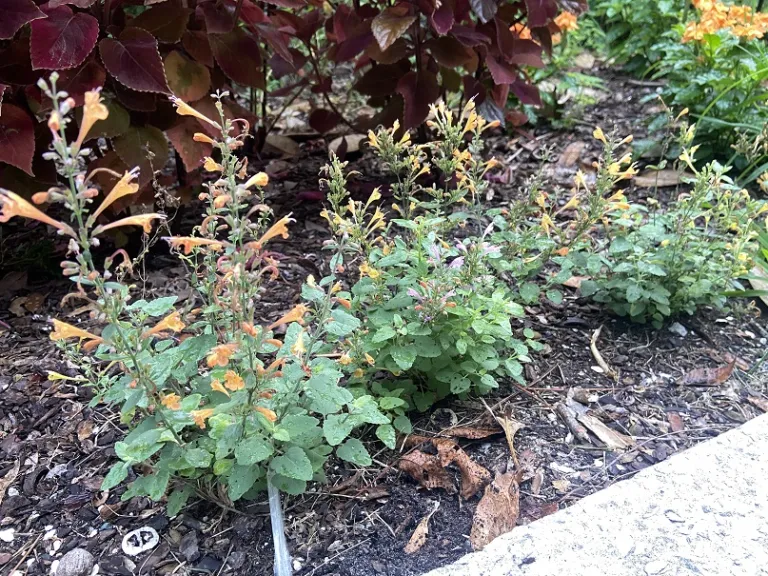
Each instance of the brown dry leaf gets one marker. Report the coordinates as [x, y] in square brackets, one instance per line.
[426, 470]
[419, 536]
[527, 465]
[34, 302]
[538, 480]
[613, 440]
[760, 403]
[85, 430]
[12, 282]
[540, 510]
[675, 422]
[473, 475]
[497, 511]
[726, 357]
[8, 479]
[575, 281]
[511, 427]
[471, 432]
[17, 306]
[572, 154]
[287, 146]
[658, 178]
[708, 376]
[562, 486]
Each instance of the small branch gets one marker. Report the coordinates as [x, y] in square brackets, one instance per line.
[598, 357]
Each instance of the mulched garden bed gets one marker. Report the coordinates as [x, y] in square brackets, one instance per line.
[55, 449]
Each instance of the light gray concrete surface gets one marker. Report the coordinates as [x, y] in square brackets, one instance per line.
[702, 512]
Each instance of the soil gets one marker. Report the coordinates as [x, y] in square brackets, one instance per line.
[55, 447]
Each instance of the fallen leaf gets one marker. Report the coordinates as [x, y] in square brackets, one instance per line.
[17, 306]
[675, 422]
[34, 302]
[613, 440]
[572, 154]
[283, 144]
[760, 403]
[511, 427]
[419, 536]
[538, 480]
[8, 479]
[427, 470]
[527, 465]
[470, 432]
[497, 511]
[659, 178]
[13, 282]
[353, 143]
[84, 429]
[575, 281]
[726, 357]
[473, 475]
[562, 486]
[540, 510]
[708, 376]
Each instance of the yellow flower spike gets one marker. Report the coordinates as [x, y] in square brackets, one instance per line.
[369, 359]
[221, 201]
[220, 355]
[571, 204]
[143, 220]
[627, 140]
[189, 242]
[598, 135]
[546, 223]
[184, 109]
[171, 401]
[124, 187]
[204, 138]
[298, 348]
[172, 323]
[373, 141]
[233, 381]
[279, 228]
[93, 111]
[296, 314]
[200, 416]
[11, 204]
[375, 195]
[260, 180]
[217, 387]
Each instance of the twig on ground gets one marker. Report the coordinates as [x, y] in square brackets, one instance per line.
[599, 358]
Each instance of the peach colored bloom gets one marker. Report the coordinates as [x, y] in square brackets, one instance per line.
[567, 21]
[124, 187]
[274, 342]
[171, 322]
[219, 355]
[200, 416]
[143, 220]
[171, 401]
[64, 331]
[216, 385]
[184, 109]
[279, 228]
[14, 205]
[268, 414]
[93, 111]
[233, 381]
[260, 179]
[296, 314]
[189, 242]
[204, 138]
[211, 165]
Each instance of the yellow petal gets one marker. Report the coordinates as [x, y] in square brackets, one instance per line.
[204, 138]
[63, 331]
[260, 179]
[143, 220]
[216, 385]
[184, 109]
[93, 110]
[124, 187]
[14, 205]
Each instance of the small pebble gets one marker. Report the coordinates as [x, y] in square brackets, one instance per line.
[77, 562]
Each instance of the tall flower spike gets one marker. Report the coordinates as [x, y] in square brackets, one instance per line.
[184, 109]
[279, 228]
[124, 187]
[93, 111]
[143, 220]
[11, 204]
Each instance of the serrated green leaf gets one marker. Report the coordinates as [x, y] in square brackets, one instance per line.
[303, 430]
[178, 499]
[241, 479]
[117, 474]
[293, 464]
[529, 292]
[354, 451]
[223, 466]
[386, 433]
[156, 307]
[342, 323]
[383, 334]
[252, 450]
[403, 424]
[404, 356]
[325, 394]
[337, 427]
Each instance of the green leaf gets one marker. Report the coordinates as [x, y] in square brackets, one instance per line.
[386, 433]
[404, 356]
[337, 427]
[353, 451]
[529, 292]
[303, 430]
[390, 402]
[366, 409]
[241, 479]
[424, 400]
[138, 449]
[634, 293]
[197, 457]
[289, 485]
[156, 307]
[555, 296]
[426, 347]
[342, 323]
[311, 294]
[460, 384]
[588, 288]
[383, 334]
[403, 424]
[178, 499]
[156, 484]
[117, 474]
[325, 394]
[293, 464]
[252, 450]
[221, 467]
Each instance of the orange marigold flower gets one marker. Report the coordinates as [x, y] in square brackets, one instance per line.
[216, 386]
[93, 110]
[11, 204]
[200, 416]
[279, 228]
[522, 31]
[233, 381]
[143, 220]
[219, 355]
[268, 414]
[189, 242]
[184, 109]
[124, 187]
[171, 322]
[296, 314]
[171, 401]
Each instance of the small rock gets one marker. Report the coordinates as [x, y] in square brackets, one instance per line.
[77, 562]
[297, 565]
[188, 546]
[679, 329]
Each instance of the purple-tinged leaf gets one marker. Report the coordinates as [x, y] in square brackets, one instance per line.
[525, 92]
[287, 3]
[442, 19]
[167, 21]
[418, 92]
[16, 13]
[526, 53]
[196, 43]
[134, 61]
[145, 147]
[78, 3]
[62, 40]
[324, 120]
[239, 56]
[382, 80]
[137, 101]
[485, 10]
[501, 72]
[219, 17]
[469, 36]
[390, 24]
[192, 153]
[540, 12]
[17, 138]
[351, 47]
[15, 65]
[276, 40]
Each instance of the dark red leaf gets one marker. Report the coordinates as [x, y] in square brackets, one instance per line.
[390, 24]
[418, 92]
[134, 61]
[219, 17]
[250, 13]
[17, 138]
[525, 92]
[304, 27]
[469, 36]
[382, 80]
[196, 43]
[394, 53]
[281, 67]
[451, 53]
[474, 89]
[145, 147]
[15, 65]
[504, 38]
[526, 53]
[544, 36]
[191, 152]
[167, 21]
[490, 110]
[239, 56]
[287, 3]
[323, 120]
[138, 101]
[276, 39]
[499, 95]
[79, 81]
[345, 23]
[501, 72]
[3, 88]
[63, 39]
[187, 79]
[485, 10]
[350, 48]
[540, 12]
[78, 3]
[442, 20]
[16, 13]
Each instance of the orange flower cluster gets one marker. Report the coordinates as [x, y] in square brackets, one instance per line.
[741, 21]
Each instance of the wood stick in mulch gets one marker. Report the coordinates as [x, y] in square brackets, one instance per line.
[598, 357]
[569, 417]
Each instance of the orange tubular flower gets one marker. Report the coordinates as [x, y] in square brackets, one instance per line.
[189, 242]
[204, 138]
[279, 228]
[14, 205]
[233, 381]
[143, 220]
[268, 414]
[200, 416]
[64, 331]
[216, 385]
[260, 179]
[274, 342]
[171, 401]
[219, 355]
[171, 322]
[567, 21]
[184, 109]
[93, 111]
[124, 187]
[296, 314]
